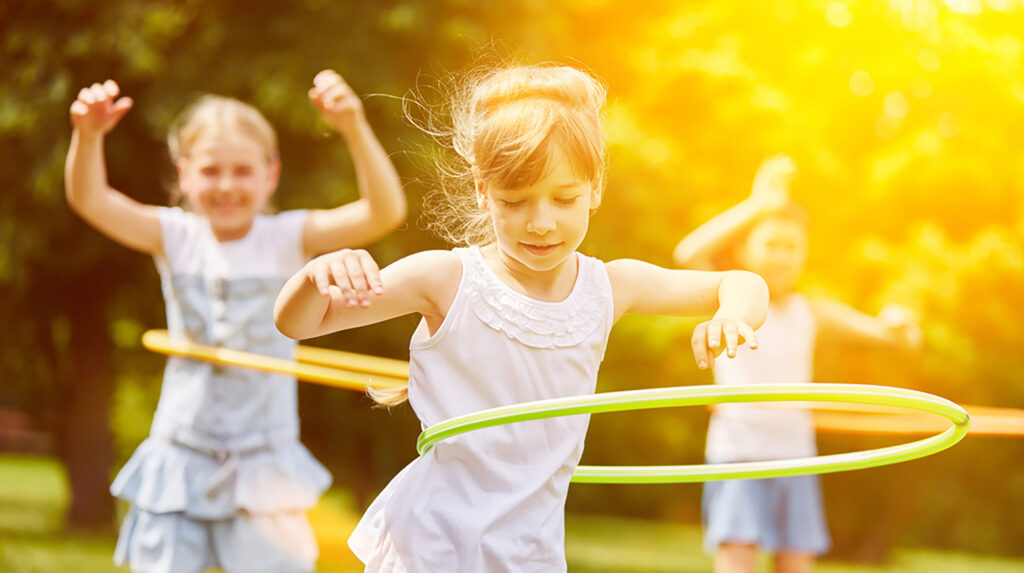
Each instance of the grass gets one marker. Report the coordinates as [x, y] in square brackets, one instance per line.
[33, 494]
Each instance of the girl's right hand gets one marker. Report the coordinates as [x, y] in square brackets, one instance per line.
[348, 274]
[340, 107]
[770, 190]
[97, 109]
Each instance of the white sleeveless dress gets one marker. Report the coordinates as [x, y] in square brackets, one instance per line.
[492, 500]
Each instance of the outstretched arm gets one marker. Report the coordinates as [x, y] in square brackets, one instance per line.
[770, 191]
[344, 290]
[135, 225]
[738, 300]
[894, 327]
[381, 207]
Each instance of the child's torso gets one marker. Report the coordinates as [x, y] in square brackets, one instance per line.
[785, 355]
[223, 294]
[487, 499]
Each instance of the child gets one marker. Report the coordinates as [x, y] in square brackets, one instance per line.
[517, 315]
[767, 234]
[222, 480]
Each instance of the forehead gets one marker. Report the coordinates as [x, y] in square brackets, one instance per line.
[776, 229]
[559, 172]
[224, 147]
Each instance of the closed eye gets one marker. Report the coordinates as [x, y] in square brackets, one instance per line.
[567, 200]
[511, 204]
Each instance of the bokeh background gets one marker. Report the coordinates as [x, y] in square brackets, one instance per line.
[905, 118]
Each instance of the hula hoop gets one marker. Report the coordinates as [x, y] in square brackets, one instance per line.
[359, 376]
[717, 394]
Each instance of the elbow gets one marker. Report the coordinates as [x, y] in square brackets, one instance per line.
[397, 215]
[683, 256]
[285, 326]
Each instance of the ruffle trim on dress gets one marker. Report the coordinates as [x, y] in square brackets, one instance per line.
[163, 477]
[535, 323]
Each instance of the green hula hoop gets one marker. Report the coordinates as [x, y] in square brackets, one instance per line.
[717, 394]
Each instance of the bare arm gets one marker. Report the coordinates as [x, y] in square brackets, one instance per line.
[381, 207]
[344, 290]
[133, 224]
[701, 248]
[738, 300]
[894, 327]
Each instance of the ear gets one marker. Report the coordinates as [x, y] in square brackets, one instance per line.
[181, 166]
[481, 194]
[595, 194]
[274, 174]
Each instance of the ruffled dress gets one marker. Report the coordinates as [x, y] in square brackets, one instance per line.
[492, 500]
[224, 440]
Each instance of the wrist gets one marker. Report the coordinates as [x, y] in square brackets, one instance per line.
[353, 129]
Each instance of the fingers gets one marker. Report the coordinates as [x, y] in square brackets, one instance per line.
[333, 98]
[713, 337]
[101, 99]
[748, 335]
[699, 343]
[352, 274]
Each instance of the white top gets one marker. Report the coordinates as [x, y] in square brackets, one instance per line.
[754, 432]
[492, 500]
[225, 439]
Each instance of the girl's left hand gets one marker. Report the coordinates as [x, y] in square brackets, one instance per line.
[903, 324]
[340, 107]
[712, 337]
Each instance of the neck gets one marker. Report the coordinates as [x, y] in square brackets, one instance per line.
[551, 285]
[223, 234]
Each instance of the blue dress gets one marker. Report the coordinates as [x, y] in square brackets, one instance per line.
[224, 441]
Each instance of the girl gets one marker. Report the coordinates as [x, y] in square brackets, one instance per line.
[222, 480]
[767, 234]
[517, 315]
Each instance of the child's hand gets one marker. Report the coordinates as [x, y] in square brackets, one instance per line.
[902, 324]
[708, 339]
[347, 274]
[97, 109]
[340, 107]
[771, 184]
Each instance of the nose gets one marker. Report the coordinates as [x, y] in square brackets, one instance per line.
[225, 182]
[541, 219]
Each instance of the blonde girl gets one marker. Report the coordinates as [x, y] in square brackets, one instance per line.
[222, 480]
[516, 314]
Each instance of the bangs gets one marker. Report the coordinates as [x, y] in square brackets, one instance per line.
[526, 144]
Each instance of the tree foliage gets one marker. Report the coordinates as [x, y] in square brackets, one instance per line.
[904, 118]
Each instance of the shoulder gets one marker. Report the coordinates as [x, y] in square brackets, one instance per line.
[431, 270]
[626, 271]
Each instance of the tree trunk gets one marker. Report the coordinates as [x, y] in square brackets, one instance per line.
[86, 385]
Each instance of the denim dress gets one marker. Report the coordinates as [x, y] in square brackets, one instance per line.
[224, 441]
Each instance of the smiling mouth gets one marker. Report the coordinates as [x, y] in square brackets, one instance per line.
[540, 250]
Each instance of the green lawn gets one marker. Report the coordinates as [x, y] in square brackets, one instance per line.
[33, 495]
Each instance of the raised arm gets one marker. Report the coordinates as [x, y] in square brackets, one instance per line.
[381, 207]
[344, 290]
[135, 225]
[894, 327]
[770, 191]
[738, 300]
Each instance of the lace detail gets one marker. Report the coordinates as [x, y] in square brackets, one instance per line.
[536, 323]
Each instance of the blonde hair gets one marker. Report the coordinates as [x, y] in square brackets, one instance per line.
[212, 115]
[504, 126]
[504, 123]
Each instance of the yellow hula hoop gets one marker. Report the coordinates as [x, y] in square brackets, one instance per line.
[360, 370]
[354, 371]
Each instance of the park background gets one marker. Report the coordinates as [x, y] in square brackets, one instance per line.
[905, 118]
